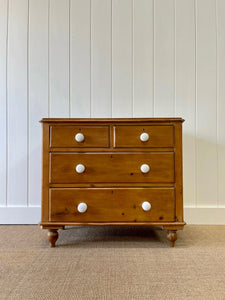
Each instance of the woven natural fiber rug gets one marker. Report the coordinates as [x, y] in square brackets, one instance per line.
[124, 263]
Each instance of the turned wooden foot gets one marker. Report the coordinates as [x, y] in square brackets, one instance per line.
[52, 236]
[172, 237]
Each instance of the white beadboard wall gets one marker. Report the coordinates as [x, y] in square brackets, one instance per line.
[112, 58]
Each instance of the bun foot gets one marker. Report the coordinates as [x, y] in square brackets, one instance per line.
[52, 236]
[172, 237]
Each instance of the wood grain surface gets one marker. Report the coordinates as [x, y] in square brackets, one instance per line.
[117, 204]
[94, 136]
[129, 136]
[112, 184]
[112, 167]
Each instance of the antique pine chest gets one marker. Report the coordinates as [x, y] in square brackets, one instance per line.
[112, 172]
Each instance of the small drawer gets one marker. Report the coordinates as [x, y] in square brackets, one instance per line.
[143, 136]
[145, 167]
[112, 205]
[79, 136]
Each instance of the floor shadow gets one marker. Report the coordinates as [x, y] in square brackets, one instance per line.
[113, 236]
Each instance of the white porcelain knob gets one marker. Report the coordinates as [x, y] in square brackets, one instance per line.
[82, 207]
[145, 168]
[144, 137]
[80, 168]
[146, 206]
[79, 137]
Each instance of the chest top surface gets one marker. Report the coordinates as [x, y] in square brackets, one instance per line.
[110, 120]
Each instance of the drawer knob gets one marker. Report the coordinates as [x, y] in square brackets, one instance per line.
[145, 168]
[146, 206]
[79, 137]
[82, 207]
[80, 168]
[144, 137]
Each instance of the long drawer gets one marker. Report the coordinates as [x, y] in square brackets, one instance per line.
[112, 204]
[112, 167]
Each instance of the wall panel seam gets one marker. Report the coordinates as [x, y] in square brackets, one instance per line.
[132, 58]
[153, 102]
[28, 104]
[90, 57]
[175, 61]
[111, 58]
[7, 110]
[217, 101]
[49, 108]
[69, 59]
[196, 183]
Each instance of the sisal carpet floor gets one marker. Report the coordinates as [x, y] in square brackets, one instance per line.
[115, 263]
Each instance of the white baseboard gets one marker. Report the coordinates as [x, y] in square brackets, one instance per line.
[192, 215]
[204, 215]
[20, 215]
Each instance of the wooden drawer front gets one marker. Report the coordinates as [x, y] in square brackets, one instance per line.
[94, 136]
[129, 136]
[111, 167]
[112, 205]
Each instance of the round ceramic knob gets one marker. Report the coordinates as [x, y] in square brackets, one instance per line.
[82, 207]
[80, 168]
[145, 168]
[144, 137]
[79, 137]
[146, 206]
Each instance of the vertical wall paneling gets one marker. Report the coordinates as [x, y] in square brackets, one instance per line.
[143, 58]
[38, 92]
[59, 58]
[101, 58]
[206, 109]
[221, 100]
[112, 58]
[185, 90]
[164, 57]
[3, 99]
[80, 51]
[122, 58]
[17, 103]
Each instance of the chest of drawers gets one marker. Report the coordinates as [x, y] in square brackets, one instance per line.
[112, 172]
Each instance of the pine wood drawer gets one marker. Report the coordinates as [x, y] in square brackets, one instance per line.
[65, 136]
[112, 204]
[130, 136]
[112, 167]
